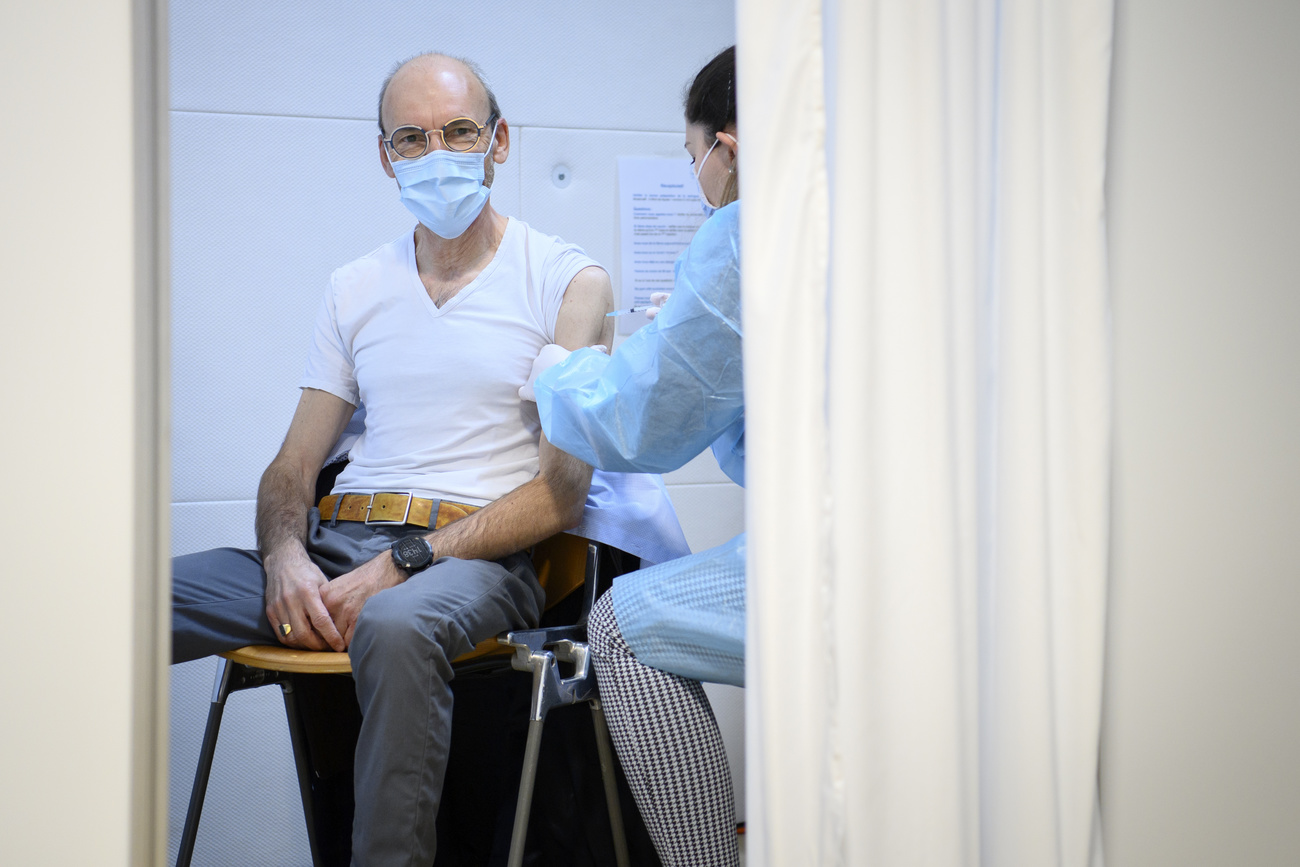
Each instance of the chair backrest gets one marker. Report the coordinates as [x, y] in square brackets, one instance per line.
[561, 564]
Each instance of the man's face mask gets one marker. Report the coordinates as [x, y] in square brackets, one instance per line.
[444, 189]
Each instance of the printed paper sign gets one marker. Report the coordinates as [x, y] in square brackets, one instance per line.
[659, 211]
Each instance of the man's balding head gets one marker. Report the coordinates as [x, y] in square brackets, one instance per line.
[445, 74]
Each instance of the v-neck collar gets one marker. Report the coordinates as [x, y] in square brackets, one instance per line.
[468, 289]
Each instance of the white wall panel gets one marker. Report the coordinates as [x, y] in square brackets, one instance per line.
[584, 210]
[221, 524]
[256, 232]
[700, 469]
[710, 514]
[582, 63]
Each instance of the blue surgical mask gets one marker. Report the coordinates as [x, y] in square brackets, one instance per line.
[705, 206]
[444, 189]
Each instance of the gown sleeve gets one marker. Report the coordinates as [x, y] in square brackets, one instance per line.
[672, 388]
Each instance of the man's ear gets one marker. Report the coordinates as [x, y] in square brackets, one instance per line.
[502, 149]
[383, 158]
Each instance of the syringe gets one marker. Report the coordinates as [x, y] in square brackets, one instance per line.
[630, 310]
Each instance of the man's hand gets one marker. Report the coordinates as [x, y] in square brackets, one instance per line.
[284, 498]
[293, 596]
[345, 595]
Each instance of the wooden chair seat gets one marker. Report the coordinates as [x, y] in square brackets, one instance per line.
[328, 662]
[560, 562]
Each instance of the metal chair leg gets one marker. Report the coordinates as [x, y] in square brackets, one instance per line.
[539, 651]
[302, 762]
[524, 804]
[605, 749]
[220, 690]
[231, 677]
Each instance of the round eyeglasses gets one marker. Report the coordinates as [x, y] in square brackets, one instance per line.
[458, 134]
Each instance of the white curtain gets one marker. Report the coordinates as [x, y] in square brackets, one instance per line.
[928, 410]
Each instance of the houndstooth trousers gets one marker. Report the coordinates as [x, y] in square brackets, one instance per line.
[671, 750]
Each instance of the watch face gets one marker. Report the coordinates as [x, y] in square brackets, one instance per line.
[412, 552]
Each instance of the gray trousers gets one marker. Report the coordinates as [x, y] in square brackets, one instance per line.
[402, 648]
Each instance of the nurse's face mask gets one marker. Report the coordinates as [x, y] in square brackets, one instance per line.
[444, 189]
[708, 207]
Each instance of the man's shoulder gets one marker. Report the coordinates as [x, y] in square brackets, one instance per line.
[545, 248]
[376, 264]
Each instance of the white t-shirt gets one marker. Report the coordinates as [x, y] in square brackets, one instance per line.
[441, 384]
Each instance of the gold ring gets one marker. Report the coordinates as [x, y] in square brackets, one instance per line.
[285, 629]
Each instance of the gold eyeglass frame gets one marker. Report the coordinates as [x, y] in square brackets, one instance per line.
[442, 134]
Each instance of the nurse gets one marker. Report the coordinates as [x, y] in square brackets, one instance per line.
[668, 392]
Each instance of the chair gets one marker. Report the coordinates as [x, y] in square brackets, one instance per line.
[564, 564]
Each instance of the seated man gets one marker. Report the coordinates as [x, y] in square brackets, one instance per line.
[435, 332]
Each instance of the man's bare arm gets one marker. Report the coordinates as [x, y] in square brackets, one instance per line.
[582, 320]
[284, 498]
[553, 501]
[548, 504]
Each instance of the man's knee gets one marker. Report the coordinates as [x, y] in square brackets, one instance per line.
[386, 621]
[397, 627]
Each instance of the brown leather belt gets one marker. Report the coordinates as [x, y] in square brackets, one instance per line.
[393, 508]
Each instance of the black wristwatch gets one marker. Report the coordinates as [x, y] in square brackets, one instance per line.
[412, 553]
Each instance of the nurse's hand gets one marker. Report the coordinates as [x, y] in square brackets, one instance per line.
[551, 355]
[657, 300]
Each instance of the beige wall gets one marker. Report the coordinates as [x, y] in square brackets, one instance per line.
[1201, 745]
[78, 684]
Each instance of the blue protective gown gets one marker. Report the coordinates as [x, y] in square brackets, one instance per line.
[671, 389]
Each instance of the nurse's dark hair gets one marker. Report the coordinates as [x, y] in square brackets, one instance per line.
[711, 98]
[711, 103]
[494, 109]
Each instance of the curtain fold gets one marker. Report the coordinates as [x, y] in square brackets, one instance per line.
[789, 243]
[928, 411]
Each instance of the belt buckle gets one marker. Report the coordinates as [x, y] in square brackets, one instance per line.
[377, 522]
